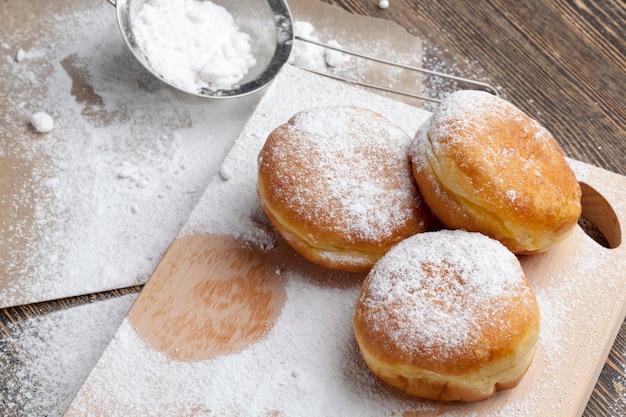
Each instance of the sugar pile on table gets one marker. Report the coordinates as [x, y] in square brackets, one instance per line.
[193, 44]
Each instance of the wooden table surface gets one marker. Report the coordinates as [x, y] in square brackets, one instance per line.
[561, 61]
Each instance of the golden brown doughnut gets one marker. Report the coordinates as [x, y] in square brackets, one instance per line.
[336, 183]
[483, 165]
[448, 316]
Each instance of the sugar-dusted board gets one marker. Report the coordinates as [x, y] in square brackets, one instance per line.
[125, 164]
[234, 323]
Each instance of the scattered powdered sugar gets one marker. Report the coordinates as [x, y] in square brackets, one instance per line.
[193, 44]
[93, 204]
[442, 285]
[61, 348]
[151, 179]
[307, 364]
[335, 58]
[619, 384]
[310, 369]
[235, 191]
[303, 53]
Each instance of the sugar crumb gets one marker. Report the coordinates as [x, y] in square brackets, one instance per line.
[42, 122]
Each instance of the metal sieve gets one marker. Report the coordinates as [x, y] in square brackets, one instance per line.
[267, 22]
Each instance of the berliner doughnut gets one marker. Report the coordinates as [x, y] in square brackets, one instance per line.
[336, 183]
[448, 316]
[483, 165]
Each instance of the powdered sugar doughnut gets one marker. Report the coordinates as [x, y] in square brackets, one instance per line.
[483, 165]
[448, 316]
[336, 183]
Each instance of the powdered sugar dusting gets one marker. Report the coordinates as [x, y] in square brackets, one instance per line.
[470, 120]
[308, 363]
[235, 191]
[441, 286]
[313, 368]
[562, 297]
[42, 122]
[61, 347]
[505, 173]
[290, 373]
[464, 108]
[352, 168]
[127, 160]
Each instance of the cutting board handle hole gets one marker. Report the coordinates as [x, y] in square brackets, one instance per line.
[598, 219]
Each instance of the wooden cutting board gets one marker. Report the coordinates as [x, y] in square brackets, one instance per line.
[233, 322]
